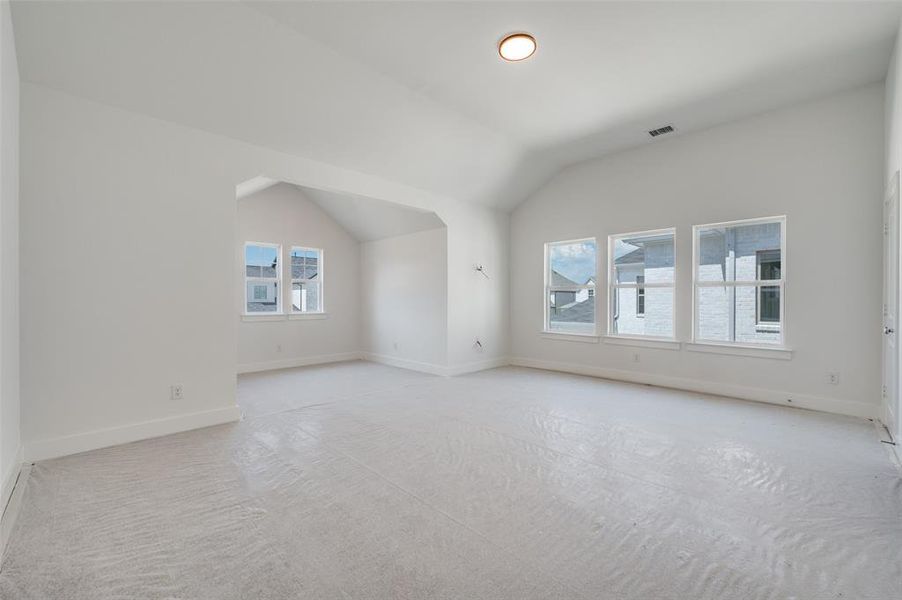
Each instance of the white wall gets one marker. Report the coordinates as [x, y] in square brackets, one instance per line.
[405, 295]
[282, 214]
[893, 113]
[819, 163]
[153, 204]
[478, 307]
[893, 154]
[10, 446]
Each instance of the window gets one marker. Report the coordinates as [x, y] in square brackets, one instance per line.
[262, 275]
[306, 280]
[768, 308]
[641, 283]
[640, 296]
[739, 279]
[570, 287]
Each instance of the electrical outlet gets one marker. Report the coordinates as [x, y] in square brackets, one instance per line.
[176, 392]
[635, 357]
[278, 347]
[833, 378]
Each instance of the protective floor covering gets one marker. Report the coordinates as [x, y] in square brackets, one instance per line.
[357, 480]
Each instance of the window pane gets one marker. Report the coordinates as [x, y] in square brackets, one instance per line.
[261, 261]
[572, 264]
[311, 270]
[769, 304]
[769, 266]
[657, 320]
[262, 297]
[729, 314]
[571, 312]
[305, 297]
[732, 253]
[297, 264]
[304, 264]
[649, 256]
[261, 255]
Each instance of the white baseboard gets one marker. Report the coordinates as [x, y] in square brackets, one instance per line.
[112, 436]
[434, 369]
[888, 419]
[831, 405]
[480, 365]
[13, 506]
[9, 478]
[404, 363]
[303, 361]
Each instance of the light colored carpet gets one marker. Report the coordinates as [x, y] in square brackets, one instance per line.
[357, 480]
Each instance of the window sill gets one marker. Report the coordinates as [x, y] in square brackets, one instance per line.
[307, 316]
[778, 353]
[284, 317]
[585, 338]
[263, 317]
[645, 342]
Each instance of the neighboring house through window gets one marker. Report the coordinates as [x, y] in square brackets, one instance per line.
[306, 280]
[262, 274]
[739, 278]
[641, 278]
[570, 286]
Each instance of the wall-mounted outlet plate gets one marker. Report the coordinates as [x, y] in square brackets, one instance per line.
[833, 378]
[176, 392]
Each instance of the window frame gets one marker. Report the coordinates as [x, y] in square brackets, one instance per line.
[757, 283]
[640, 296]
[759, 322]
[548, 289]
[320, 277]
[254, 280]
[613, 286]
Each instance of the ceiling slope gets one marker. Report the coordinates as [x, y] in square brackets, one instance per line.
[415, 91]
[225, 68]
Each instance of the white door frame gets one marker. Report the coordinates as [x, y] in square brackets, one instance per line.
[892, 410]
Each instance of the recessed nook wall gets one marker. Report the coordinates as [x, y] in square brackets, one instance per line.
[282, 214]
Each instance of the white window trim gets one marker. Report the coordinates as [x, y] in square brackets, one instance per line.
[613, 286]
[252, 317]
[643, 341]
[740, 348]
[750, 350]
[759, 324]
[307, 316]
[279, 312]
[320, 278]
[586, 338]
[546, 325]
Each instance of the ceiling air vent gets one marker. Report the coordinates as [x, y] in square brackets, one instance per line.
[661, 131]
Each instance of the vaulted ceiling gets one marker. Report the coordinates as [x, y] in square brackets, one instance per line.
[415, 91]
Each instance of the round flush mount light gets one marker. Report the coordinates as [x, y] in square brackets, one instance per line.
[517, 46]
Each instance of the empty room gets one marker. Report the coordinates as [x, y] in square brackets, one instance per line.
[511, 300]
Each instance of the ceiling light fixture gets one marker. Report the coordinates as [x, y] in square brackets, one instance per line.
[517, 46]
